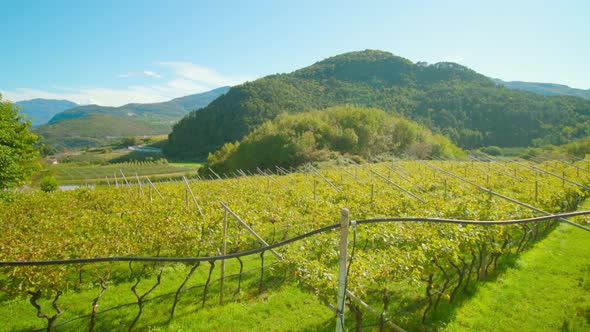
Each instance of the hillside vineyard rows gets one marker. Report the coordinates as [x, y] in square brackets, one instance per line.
[113, 174]
[404, 269]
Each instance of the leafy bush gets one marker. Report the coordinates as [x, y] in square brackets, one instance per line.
[48, 184]
[129, 141]
[492, 150]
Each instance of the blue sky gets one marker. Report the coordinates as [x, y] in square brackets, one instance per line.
[116, 52]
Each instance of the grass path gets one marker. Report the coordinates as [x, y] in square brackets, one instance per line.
[547, 290]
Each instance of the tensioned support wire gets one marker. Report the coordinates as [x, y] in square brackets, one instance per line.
[293, 239]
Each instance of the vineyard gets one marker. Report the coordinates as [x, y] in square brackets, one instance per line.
[72, 174]
[139, 253]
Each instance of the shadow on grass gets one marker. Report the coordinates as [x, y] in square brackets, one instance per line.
[446, 311]
[157, 309]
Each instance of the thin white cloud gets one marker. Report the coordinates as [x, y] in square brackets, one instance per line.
[147, 73]
[202, 75]
[151, 74]
[185, 78]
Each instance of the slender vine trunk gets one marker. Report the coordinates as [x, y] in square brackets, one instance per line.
[461, 274]
[104, 287]
[141, 298]
[444, 287]
[50, 319]
[212, 263]
[358, 316]
[429, 295]
[177, 294]
[240, 275]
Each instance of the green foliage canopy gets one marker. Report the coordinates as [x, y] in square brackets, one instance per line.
[48, 184]
[17, 146]
[294, 139]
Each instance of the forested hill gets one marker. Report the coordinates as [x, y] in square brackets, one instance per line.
[449, 98]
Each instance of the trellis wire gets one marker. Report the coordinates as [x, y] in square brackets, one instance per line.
[288, 241]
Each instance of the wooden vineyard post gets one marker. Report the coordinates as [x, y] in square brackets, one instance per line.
[536, 188]
[344, 223]
[224, 253]
[140, 189]
[154, 187]
[314, 189]
[124, 178]
[189, 190]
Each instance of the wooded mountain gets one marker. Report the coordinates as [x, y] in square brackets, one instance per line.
[449, 98]
[549, 89]
[163, 113]
[39, 111]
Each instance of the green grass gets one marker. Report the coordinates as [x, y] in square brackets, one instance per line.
[287, 309]
[282, 305]
[187, 164]
[548, 289]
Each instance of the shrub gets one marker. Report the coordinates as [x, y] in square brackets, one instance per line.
[492, 150]
[48, 184]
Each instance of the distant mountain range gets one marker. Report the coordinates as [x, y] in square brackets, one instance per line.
[451, 99]
[159, 113]
[95, 129]
[92, 125]
[40, 111]
[549, 89]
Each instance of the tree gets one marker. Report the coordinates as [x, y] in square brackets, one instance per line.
[129, 141]
[17, 146]
[48, 184]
